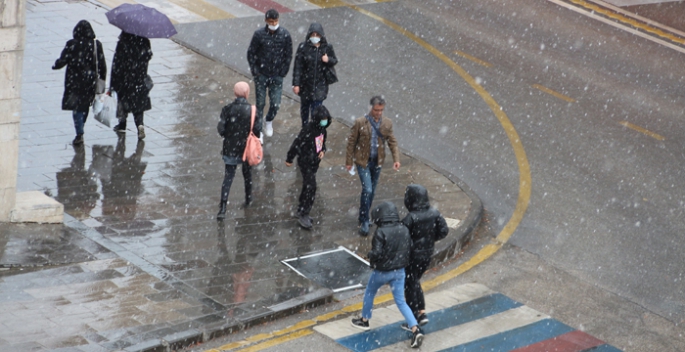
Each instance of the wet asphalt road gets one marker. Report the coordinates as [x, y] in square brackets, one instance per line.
[606, 206]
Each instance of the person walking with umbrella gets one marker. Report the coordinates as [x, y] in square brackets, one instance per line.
[80, 80]
[129, 66]
[129, 70]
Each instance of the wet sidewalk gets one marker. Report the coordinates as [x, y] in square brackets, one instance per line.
[141, 263]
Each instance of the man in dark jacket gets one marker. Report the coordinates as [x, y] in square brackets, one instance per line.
[234, 127]
[269, 56]
[390, 251]
[314, 56]
[129, 70]
[309, 146]
[80, 58]
[426, 225]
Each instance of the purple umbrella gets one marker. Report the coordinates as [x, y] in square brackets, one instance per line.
[141, 20]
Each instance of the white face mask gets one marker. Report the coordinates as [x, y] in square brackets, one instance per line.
[273, 28]
[314, 40]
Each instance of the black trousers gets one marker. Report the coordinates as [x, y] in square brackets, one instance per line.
[308, 191]
[229, 175]
[413, 293]
[122, 115]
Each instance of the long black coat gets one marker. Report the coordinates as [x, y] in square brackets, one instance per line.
[425, 223]
[79, 58]
[129, 68]
[308, 72]
[391, 244]
[234, 126]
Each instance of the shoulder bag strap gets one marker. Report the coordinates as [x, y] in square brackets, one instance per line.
[95, 54]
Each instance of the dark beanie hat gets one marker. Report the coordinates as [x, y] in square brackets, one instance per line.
[271, 14]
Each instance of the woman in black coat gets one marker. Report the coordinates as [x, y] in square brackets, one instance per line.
[234, 127]
[314, 56]
[129, 69]
[309, 146]
[79, 57]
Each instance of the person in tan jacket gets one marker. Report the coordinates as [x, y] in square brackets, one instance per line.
[366, 148]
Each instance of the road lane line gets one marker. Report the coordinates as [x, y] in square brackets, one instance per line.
[328, 3]
[619, 25]
[630, 21]
[524, 174]
[642, 130]
[473, 58]
[278, 341]
[553, 93]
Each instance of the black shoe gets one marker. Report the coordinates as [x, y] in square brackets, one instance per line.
[222, 211]
[305, 222]
[416, 338]
[422, 319]
[78, 140]
[119, 129]
[405, 326]
[359, 323]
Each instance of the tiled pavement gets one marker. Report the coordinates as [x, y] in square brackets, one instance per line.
[141, 262]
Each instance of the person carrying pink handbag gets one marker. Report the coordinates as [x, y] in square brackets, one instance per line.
[234, 127]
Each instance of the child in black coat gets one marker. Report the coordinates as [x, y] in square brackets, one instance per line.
[309, 147]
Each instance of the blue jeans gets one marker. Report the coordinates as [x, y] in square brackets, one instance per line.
[275, 87]
[306, 107]
[395, 279]
[80, 118]
[369, 176]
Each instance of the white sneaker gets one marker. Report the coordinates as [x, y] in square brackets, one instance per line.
[269, 129]
[261, 138]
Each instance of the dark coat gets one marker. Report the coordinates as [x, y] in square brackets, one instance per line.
[129, 68]
[391, 244]
[425, 223]
[270, 53]
[308, 72]
[79, 58]
[304, 145]
[234, 126]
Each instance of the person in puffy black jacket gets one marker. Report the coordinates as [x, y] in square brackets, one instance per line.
[313, 57]
[129, 70]
[79, 56]
[309, 146]
[426, 225]
[269, 56]
[389, 255]
[234, 127]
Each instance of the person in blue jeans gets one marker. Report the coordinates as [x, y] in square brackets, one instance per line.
[390, 254]
[269, 56]
[366, 149]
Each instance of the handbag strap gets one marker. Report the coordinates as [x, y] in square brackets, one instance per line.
[95, 54]
[252, 115]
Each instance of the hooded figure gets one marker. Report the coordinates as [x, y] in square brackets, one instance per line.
[426, 225]
[129, 70]
[391, 247]
[310, 147]
[234, 127]
[311, 61]
[79, 56]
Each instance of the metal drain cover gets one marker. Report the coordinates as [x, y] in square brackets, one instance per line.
[338, 269]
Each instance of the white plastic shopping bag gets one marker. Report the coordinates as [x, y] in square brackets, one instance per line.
[108, 112]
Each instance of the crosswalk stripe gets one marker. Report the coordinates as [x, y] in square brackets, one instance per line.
[265, 5]
[468, 317]
[328, 3]
[515, 338]
[203, 9]
[466, 312]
